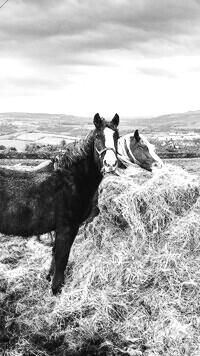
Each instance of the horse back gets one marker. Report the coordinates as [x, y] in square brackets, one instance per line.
[27, 201]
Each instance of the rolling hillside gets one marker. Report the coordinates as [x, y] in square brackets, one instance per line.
[185, 121]
[19, 129]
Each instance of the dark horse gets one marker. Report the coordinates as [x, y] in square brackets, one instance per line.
[34, 203]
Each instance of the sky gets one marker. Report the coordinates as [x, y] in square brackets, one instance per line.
[139, 58]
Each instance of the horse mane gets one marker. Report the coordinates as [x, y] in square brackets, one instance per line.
[76, 151]
[145, 140]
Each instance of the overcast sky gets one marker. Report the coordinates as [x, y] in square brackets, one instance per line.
[134, 57]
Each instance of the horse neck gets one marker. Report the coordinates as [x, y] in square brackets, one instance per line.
[90, 172]
[85, 170]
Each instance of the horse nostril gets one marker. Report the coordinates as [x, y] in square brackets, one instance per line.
[110, 164]
[106, 164]
[156, 165]
[110, 167]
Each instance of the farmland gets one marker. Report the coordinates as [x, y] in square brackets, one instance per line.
[170, 133]
[19, 129]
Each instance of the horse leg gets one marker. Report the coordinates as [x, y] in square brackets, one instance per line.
[94, 211]
[52, 238]
[64, 241]
[52, 265]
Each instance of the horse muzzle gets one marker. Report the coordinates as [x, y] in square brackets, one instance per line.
[157, 165]
[109, 168]
[110, 162]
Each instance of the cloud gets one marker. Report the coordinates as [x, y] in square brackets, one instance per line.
[157, 72]
[74, 31]
[30, 85]
[89, 51]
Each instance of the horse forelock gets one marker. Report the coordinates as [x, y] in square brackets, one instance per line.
[144, 139]
[151, 149]
[147, 143]
[127, 146]
[76, 151]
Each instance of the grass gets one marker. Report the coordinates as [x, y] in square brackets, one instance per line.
[131, 287]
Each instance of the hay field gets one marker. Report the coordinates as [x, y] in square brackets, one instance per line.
[132, 287]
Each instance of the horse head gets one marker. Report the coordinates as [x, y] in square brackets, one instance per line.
[105, 143]
[137, 149]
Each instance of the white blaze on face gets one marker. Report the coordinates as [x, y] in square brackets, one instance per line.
[110, 160]
[121, 148]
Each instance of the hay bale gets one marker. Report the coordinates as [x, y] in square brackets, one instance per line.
[184, 233]
[138, 279]
[146, 202]
[132, 287]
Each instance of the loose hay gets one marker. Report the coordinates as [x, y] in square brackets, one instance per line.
[148, 204]
[132, 287]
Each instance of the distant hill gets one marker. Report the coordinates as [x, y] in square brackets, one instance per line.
[41, 117]
[188, 121]
[169, 133]
[57, 123]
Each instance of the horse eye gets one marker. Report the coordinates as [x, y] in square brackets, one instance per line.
[98, 136]
[142, 144]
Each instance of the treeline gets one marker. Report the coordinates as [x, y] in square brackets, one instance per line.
[34, 151]
[170, 155]
[26, 155]
[51, 154]
[173, 148]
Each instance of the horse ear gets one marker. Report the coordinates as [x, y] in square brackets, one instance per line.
[115, 120]
[136, 135]
[97, 121]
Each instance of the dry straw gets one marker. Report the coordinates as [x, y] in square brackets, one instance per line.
[131, 288]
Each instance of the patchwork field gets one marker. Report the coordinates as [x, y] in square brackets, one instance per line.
[19, 129]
